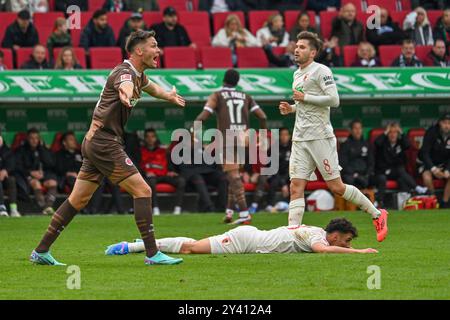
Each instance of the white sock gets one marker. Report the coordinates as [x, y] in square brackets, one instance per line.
[243, 214]
[172, 245]
[355, 196]
[296, 211]
[136, 247]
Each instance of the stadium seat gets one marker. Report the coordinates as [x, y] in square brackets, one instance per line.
[278, 50]
[79, 53]
[433, 16]
[374, 133]
[391, 185]
[151, 18]
[415, 137]
[8, 58]
[195, 23]
[256, 19]
[362, 17]
[85, 17]
[388, 54]
[105, 57]
[44, 23]
[179, 5]
[249, 187]
[350, 55]
[180, 57]
[422, 51]
[326, 17]
[6, 18]
[391, 5]
[341, 136]
[399, 17]
[252, 57]
[220, 17]
[165, 188]
[23, 55]
[357, 3]
[18, 139]
[290, 19]
[116, 20]
[94, 5]
[216, 57]
[57, 143]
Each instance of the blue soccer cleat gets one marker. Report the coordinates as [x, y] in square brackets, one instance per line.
[117, 249]
[161, 258]
[44, 259]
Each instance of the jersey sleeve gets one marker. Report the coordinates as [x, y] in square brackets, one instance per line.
[122, 76]
[145, 81]
[253, 106]
[326, 83]
[211, 103]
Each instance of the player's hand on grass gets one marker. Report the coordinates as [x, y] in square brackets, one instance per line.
[298, 95]
[175, 98]
[368, 250]
[124, 97]
[285, 108]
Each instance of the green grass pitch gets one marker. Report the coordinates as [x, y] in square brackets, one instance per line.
[414, 261]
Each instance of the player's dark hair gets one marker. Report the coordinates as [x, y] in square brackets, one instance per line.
[313, 40]
[353, 122]
[341, 225]
[138, 37]
[231, 77]
[32, 130]
[98, 13]
[284, 129]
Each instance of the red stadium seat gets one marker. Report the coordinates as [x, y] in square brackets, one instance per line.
[399, 17]
[180, 57]
[415, 137]
[388, 54]
[6, 18]
[290, 18]
[179, 5]
[357, 3]
[151, 18]
[7, 58]
[256, 19]
[23, 55]
[252, 57]
[165, 188]
[374, 133]
[220, 17]
[341, 135]
[116, 20]
[79, 53]
[326, 17]
[391, 185]
[316, 185]
[57, 143]
[105, 57]
[85, 17]
[433, 16]
[195, 23]
[350, 55]
[18, 139]
[362, 17]
[94, 5]
[422, 51]
[44, 23]
[391, 5]
[439, 184]
[278, 50]
[216, 57]
[249, 187]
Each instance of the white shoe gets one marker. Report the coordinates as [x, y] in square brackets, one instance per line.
[15, 213]
[177, 211]
[156, 211]
[49, 211]
[421, 190]
[269, 208]
[3, 213]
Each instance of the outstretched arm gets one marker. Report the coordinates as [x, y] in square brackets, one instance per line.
[321, 248]
[172, 96]
[261, 115]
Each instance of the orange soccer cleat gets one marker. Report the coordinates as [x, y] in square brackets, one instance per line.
[381, 225]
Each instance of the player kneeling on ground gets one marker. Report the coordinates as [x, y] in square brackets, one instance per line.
[335, 238]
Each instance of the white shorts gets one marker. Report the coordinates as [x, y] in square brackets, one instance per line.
[238, 240]
[306, 156]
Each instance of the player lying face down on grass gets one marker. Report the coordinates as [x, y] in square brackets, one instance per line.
[103, 149]
[335, 238]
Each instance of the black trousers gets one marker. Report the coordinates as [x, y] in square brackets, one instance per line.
[405, 182]
[177, 181]
[276, 182]
[200, 183]
[95, 205]
[9, 184]
[361, 181]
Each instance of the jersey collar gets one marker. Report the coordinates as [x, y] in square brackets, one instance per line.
[133, 68]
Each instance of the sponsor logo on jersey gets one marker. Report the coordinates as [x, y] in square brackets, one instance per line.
[125, 77]
[128, 162]
[328, 80]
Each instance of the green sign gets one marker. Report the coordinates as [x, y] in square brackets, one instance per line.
[262, 84]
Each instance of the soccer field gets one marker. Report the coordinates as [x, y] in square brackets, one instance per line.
[414, 261]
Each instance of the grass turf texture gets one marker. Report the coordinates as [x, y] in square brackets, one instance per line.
[414, 261]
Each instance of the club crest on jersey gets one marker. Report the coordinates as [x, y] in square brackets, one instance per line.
[128, 162]
[125, 77]
[305, 77]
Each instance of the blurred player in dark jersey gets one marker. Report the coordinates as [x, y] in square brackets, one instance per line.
[232, 108]
[103, 149]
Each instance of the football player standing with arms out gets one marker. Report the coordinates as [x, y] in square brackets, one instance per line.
[313, 140]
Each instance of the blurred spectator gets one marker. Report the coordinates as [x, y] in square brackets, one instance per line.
[7, 180]
[408, 56]
[346, 28]
[388, 33]
[437, 57]
[251, 5]
[434, 157]
[35, 165]
[2, 62]
[418, 27]
[273, 33]
[141, 5]
[67, 60]
[59, 37]
[134, 23]
[328, 55]
[390, 160]
[356, 157]
[442, 29]
[287, 59]
[252, 174]
[366, 56]
[302, 23]
[115, 6]
[234, 35]
[31, 5]
[214, 6]
[281, 179]
[170, 33]
[97, 33]
[62, 5]
[324, 5]
[430, 4]
[21, 33]
[283, 5]
[68, 161]
[38, 59]
[97, 203]
[155, 164]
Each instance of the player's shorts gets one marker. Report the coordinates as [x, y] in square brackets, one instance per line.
[306, 156]
[238, 240]
[104, 156]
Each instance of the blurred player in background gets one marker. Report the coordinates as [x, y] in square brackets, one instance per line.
[313, 140]
[335, 238]
[232, 108]
[103, 149]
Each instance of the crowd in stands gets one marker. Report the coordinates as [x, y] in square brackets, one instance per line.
[389, 159]
[347, 32]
